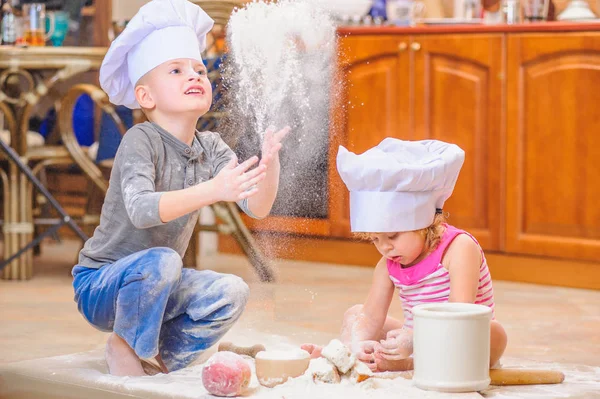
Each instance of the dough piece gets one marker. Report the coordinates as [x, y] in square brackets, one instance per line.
[339, 354]
[360, 372]
[322, 370]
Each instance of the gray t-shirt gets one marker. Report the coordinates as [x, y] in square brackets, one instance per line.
[149, 162]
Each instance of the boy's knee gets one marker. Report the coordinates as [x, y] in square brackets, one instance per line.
[237, 290]
[166, 264]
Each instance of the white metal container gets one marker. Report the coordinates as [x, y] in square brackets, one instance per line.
[452, 347]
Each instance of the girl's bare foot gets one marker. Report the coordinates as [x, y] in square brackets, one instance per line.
[314, 350]
[121, 359]
[393, 365]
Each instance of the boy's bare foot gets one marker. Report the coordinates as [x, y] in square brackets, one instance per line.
[150, 368]
[154, 366]
[314, 350]
[393, 365]
[162, 365]
[121, 359]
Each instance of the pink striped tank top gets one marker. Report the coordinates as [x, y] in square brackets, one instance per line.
[428, 281]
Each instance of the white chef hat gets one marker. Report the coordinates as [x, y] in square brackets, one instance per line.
[162, 30]
[398, 185]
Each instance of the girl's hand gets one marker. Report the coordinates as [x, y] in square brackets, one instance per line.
[272, 145]
[365, 352]
[395, 333]
[234, 182]
[398, 345]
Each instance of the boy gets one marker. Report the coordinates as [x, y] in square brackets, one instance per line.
[129, 280]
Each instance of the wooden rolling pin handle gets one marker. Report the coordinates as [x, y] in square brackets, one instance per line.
[525, 377]
[502, 377]
[241, 350]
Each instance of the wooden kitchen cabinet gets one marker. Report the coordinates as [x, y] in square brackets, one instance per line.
[552, 147]
[445, 87]
[523, 106]
[458, 99]
[373, 104]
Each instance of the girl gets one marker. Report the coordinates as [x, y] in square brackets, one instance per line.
[397, 190]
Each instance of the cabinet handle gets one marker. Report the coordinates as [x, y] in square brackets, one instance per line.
[402, 46]
[415, 46]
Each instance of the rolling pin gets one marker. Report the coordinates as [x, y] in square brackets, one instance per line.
[502, 377]
[525, 377]
[241, 350]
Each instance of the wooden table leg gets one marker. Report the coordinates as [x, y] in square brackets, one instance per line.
[7, 213]
[19, 229]
[26, 213]
[15, 226]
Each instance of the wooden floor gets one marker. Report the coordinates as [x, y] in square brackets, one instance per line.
[38, 318]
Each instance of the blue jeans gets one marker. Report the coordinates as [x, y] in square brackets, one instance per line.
[157, 307]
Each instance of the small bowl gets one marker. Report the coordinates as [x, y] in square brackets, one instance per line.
[276, 366]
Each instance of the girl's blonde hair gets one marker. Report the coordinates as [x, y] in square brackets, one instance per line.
[432, 234]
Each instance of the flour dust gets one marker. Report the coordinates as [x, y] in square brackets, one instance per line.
[278, 73]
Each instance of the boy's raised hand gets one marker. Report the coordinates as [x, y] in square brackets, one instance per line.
[272, 144]
[234, 182]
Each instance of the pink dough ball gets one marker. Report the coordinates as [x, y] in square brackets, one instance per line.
[226, 374]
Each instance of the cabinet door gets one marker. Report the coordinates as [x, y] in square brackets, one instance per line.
[372, 105]
[458, 99]
[553, 149]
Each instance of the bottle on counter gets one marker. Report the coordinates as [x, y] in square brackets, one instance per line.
[8, 32]
[472, 9]
[378, 11]
[512, 11]
[1, 17]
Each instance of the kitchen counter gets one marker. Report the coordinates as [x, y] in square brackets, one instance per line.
[553, 26]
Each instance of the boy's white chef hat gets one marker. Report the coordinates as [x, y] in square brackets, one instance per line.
[398, 185]
[162, 30]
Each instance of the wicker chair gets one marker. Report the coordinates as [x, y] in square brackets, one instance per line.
[227, 214]
[38, 155]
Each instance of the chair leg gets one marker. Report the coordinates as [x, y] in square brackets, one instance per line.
[44, 210]
[93, 207]
[244, 238]
[91, 217]
[191, 255]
